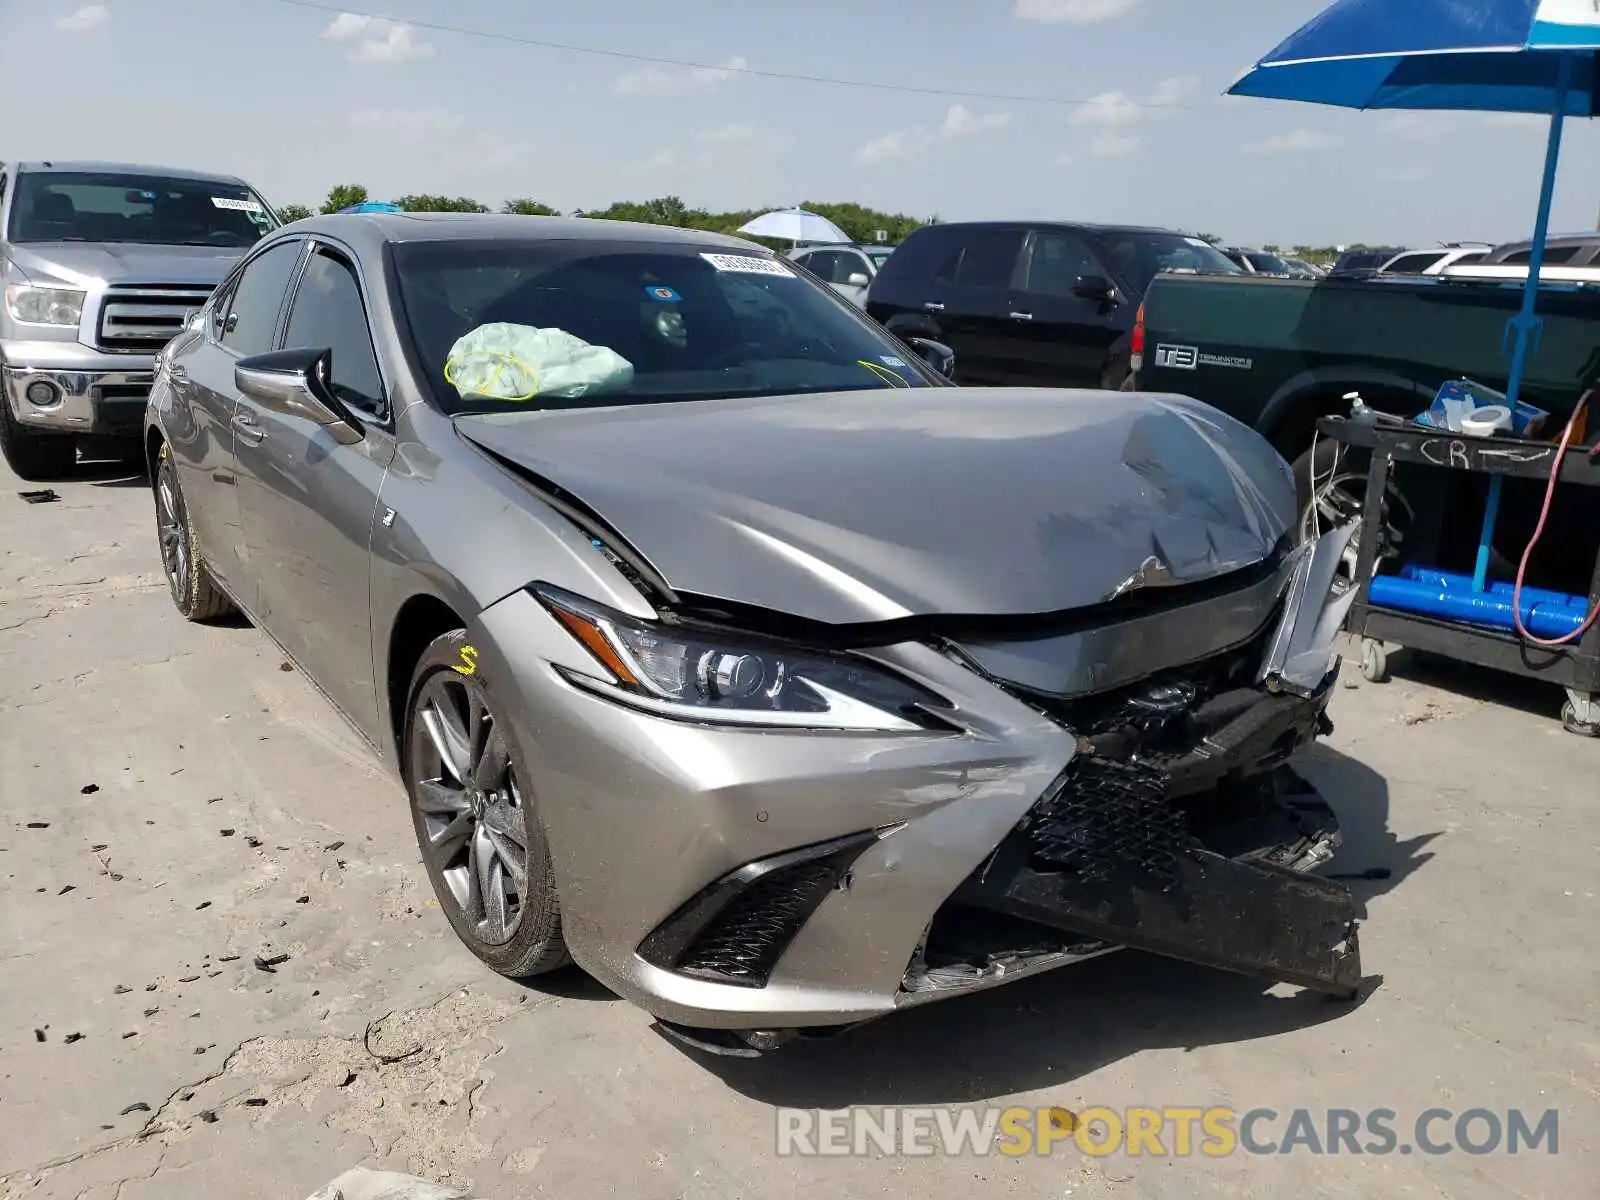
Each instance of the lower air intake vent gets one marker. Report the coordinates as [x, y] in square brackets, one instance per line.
[736, 930]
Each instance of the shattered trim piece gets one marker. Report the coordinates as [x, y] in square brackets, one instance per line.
[1303, 648]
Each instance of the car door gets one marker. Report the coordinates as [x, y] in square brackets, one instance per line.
[308, 501]
[1062, 339]
[970, 298]
[243, 320]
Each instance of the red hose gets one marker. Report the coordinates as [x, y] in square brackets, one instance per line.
[1538, 532]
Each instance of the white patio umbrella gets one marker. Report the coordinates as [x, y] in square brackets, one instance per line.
[794, 225]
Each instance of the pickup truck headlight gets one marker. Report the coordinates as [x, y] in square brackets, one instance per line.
[730, 679]
[44, 305]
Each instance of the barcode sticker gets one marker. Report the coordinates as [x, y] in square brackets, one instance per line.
[229, 202]
[747, 264]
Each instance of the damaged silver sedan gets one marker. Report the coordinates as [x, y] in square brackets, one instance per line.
[726, 649]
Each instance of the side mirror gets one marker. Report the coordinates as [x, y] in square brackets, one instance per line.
[857, 279]
[1094, 287]
[936, 354]
[295, 382]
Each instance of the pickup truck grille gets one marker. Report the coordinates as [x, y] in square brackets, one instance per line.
[143, 318]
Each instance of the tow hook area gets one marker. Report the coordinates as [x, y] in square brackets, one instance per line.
[728, 1043]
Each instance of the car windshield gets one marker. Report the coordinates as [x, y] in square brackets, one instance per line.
[879, 257]
[83, 206]
[573, 323]
[1138, 256]
[1269, 264]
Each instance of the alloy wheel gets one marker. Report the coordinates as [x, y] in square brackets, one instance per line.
[469, 807]
[172, 528]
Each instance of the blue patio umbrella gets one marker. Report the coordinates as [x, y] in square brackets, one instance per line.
[1527, 56]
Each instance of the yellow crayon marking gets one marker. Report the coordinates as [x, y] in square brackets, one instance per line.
[469, 661]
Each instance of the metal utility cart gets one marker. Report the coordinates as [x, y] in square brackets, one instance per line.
[1575, 667]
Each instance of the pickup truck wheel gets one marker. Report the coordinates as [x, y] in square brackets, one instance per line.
[35, 457]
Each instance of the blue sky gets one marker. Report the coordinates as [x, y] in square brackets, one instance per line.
[297, 100]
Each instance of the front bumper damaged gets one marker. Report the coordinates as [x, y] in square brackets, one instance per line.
[1107, 859]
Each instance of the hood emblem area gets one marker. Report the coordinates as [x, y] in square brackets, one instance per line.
[1152, 572]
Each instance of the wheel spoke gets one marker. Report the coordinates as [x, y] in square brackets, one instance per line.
[491, 886]
[489, 771]
[447, 842]
[437, 799]
[506, 821]
[442, 723]
[511, 856]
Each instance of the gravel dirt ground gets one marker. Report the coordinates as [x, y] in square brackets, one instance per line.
[222, 972]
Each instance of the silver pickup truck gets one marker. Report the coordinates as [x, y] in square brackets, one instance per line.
[101, 264]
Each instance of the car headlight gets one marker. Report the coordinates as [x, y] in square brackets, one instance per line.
[698, 675]
[44, 305]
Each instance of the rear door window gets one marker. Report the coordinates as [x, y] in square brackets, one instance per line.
[1057, 262]
[989, 259]
[1413, 264]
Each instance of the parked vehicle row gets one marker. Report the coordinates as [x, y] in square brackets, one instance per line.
[1032, 303]
[848, 270]
[101, 263]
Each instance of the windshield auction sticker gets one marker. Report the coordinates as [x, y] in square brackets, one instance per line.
[747, 265]
[229, 202]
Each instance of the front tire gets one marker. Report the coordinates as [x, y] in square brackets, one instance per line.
[194, 593]
[472, 807]
[35, 457]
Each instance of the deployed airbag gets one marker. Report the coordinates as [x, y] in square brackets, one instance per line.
[505, 361]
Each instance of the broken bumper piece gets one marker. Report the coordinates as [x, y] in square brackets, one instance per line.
[1107, 860]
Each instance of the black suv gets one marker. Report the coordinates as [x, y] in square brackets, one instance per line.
[1031, 304]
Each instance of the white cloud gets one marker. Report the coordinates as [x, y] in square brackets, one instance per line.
[961, 121]
[1118, 109]
[377, 40]
[1073, 12]
[1113, 145]
[1114, 116]
[416, 122]
[663, 81]
[85, 20]
[902, 143]
[1301, 141]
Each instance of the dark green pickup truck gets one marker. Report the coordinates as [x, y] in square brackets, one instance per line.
[1279, 353]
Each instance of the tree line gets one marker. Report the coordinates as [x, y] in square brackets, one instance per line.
[857, 220]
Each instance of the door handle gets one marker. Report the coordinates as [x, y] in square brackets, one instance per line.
[248, 429]
[933, 306]
[1016, 316]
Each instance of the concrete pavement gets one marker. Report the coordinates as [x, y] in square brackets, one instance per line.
[176, 804]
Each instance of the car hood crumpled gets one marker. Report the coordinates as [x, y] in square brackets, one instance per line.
[876, 505]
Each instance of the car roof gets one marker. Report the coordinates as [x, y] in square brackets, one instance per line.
[60, 166]
[1091, 226]
[395, 228]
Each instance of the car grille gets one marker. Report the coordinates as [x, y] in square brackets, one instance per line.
[142, 319]
[1104, 822]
